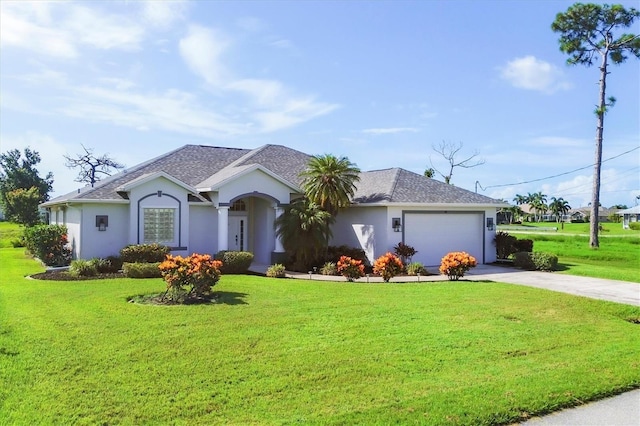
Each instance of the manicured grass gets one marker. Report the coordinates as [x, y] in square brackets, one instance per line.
[618, 258]
[9, 232]
[609, 228]
[298, 351]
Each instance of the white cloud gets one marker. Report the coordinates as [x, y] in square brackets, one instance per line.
[60, 29]
[531, 73]
[18, 31]
[272, 104]
[171, 110]
[102, 30]
[201, 49]
[390, 130]
[163, 13]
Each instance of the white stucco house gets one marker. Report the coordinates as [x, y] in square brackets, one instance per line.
[629, 215]
[203, 199]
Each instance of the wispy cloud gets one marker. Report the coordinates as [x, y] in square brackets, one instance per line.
[390, 130]
[531, 73]
[202, 49]
[274, 106]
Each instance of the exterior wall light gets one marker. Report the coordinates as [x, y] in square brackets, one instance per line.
[396, 224]
[102, 221]
[489, 224]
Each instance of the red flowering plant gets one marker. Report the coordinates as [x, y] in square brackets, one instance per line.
[190, 277]
[455, 264]
[388, 266]
[351, 269]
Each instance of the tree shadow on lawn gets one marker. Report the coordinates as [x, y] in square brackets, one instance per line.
[215, 298]
[230, 298]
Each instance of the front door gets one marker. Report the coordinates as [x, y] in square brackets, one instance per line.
[237, 233]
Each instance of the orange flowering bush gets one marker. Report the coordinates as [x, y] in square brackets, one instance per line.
[456, 264]
[190, 277]
[388, 266]
[351, 269]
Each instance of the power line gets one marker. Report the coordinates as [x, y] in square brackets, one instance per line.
[554, 176]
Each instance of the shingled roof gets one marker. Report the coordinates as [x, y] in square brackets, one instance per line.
[402, 186]
[198, 165]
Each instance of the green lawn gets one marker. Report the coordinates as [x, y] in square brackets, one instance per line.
[618, 258]
[608, 228]
[8, 233]
[298, 351]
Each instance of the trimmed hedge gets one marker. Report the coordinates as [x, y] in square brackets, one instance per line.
[634, 226]
[276, 271]
[537, 261]
[523, 245]
[142, 270]
[83, 268]
[144, 253]
[234, 262]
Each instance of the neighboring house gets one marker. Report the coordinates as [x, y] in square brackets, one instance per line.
[205, 199]
[584, 213]
[629, 215]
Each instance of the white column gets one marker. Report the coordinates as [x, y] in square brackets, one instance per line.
[278, 246]
[223, 228]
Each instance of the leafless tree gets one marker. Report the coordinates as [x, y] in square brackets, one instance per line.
[91, 166]
[449, 151]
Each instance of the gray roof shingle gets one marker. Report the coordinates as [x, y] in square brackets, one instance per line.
[402, 186]
[196, 165]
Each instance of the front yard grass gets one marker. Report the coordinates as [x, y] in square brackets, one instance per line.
[617, 258]
[298, 351]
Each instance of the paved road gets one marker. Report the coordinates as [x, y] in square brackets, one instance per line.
[621, 410]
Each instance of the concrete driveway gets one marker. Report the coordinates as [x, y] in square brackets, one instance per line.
[596, 288]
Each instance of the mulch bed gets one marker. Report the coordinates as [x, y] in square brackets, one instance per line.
[66, 276]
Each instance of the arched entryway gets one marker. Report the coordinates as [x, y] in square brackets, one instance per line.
[248, 221]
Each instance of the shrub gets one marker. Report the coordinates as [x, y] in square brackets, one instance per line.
[536, 261]
[144, 253]
[234, 262]
[388, 266]
[406, 252]
[329, 268]
[349, 268]
[505, 244]
[335, 252]
[276, 271]
[455, 264]
[49, 244]
[100, 265]
[524, 245]
[190, 277]
[83, 268]
[415, 268]
[141, 269]
[114, 264]
[635, 226]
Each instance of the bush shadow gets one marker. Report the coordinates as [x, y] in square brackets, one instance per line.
[230, 298]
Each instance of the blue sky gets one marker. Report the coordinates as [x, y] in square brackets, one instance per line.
[378, 82]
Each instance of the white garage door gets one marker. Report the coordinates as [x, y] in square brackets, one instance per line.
[434, 235]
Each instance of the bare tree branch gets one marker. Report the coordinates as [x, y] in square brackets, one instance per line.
[449, 151]
[91, 166]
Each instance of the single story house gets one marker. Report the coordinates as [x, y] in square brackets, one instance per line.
[203, 199]
[629, 215]
[584, 213]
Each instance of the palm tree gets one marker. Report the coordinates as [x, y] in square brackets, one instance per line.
[538, 200]
[330, 182]
[559, 207]
[520, 199]
[304, 229]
